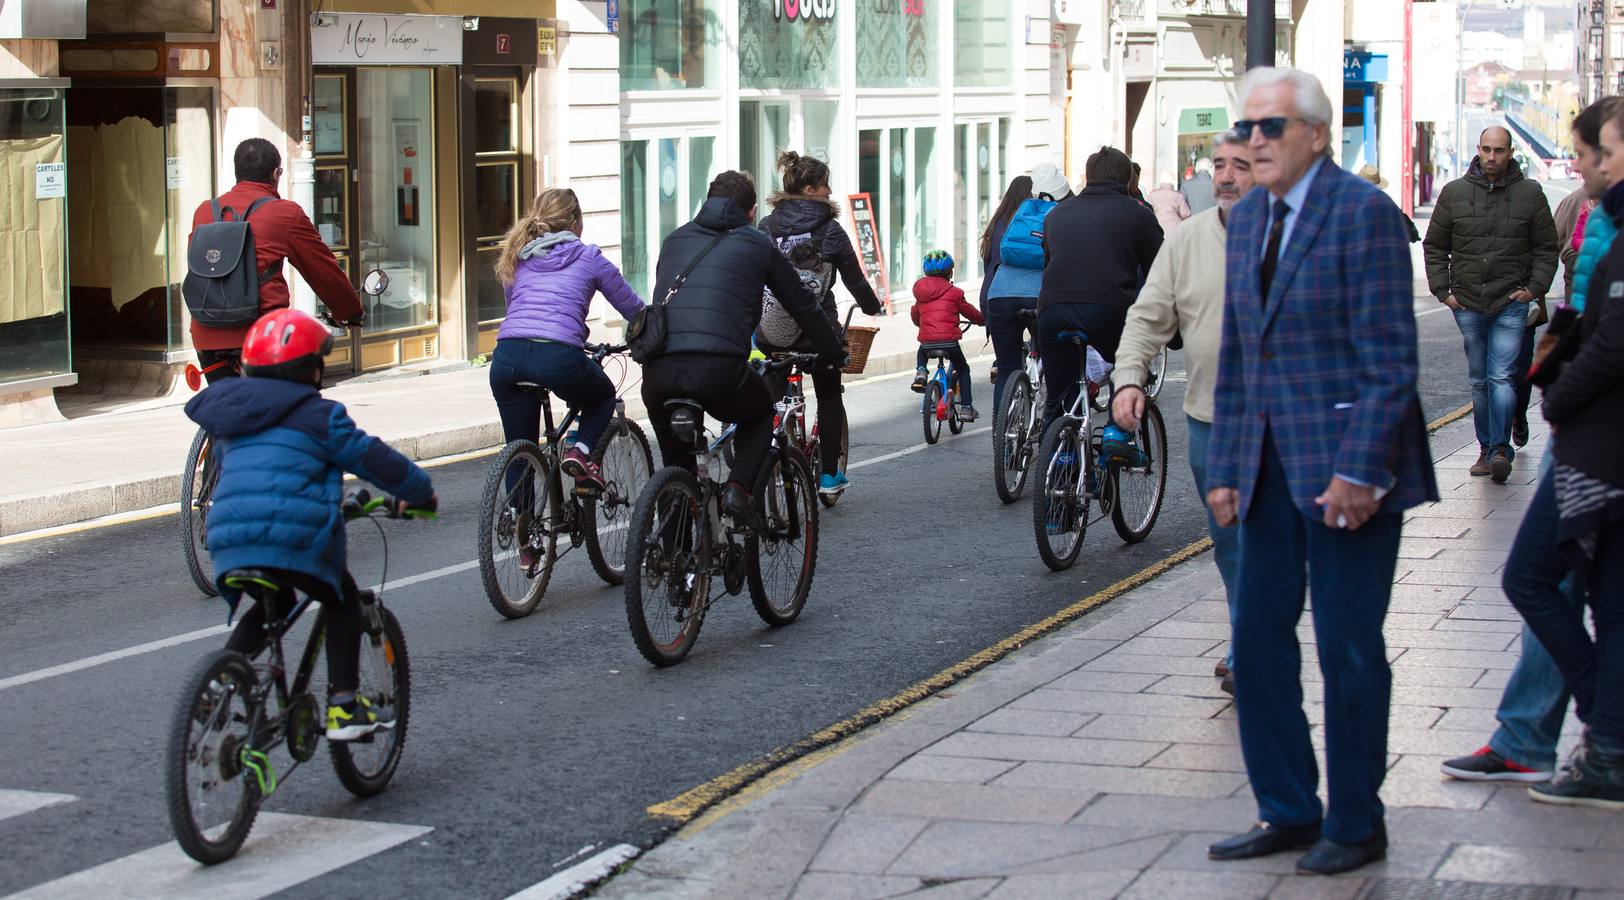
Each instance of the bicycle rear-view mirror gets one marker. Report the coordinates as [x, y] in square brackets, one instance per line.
[375, 283]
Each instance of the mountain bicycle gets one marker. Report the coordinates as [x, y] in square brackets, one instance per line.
[1075, 472]
[789, 413]
[525, 507]
[237, 709]
[941, 391]
[1017, 420]
[682, 538]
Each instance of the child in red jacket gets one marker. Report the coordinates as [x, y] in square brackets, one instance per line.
[936, 310]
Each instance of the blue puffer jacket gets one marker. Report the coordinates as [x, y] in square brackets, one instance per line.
[284, 451]
[1600, 229]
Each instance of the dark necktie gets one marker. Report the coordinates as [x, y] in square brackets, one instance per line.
[1271, 253]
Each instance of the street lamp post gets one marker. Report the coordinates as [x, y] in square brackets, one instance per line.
[1259, 33]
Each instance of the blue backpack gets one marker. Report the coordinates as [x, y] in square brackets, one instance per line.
[1023, 239]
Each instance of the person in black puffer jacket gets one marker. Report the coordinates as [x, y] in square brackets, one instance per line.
[803, 212]
[709, 322]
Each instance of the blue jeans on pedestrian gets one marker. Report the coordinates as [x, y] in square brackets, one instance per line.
[1226, 542]
[562, 369]
[1493, 341]
[1536, 698]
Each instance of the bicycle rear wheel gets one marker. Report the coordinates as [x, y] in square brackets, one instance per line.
[627, 466]
[211, 795]
[1139, 489]
[667, 591]
[1158, 373]
[366, 766]
[933, 399]
[519, 516]
[1010, 457]
[1059, 499]
[780, 559]
[196, 494]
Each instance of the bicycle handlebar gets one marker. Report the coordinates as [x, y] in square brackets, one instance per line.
[326, 315]
[599, 351]
[360, 503]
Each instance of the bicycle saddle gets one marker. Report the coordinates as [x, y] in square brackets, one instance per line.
[937, 353]
[686, 418]
[1076, 337]
[1027, 316]
[254, 582]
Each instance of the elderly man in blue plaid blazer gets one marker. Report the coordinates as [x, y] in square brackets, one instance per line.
[1318, 446]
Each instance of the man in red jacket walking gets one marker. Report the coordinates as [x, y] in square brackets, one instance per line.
[282, 231]
[938, 303]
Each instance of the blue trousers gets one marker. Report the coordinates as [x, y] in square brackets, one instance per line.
[564, 370]
[1284, 553]
[1005, 331]
[1493, 342]
[1226, 542]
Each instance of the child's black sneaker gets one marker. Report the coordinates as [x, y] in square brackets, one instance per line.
[919, 381]
[356, 719]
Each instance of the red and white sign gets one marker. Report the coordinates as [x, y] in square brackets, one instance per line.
[504, 44]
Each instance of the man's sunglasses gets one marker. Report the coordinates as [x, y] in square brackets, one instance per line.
[1272, 127]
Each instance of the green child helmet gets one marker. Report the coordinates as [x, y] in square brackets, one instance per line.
[938, 262]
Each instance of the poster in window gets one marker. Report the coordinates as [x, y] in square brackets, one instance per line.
[408, 207]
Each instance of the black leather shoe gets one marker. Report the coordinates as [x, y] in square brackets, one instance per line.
[1330, 858]
[736, 503]
[1263, 840]
[1227, 685]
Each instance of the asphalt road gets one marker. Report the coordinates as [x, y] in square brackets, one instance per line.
[534, 741]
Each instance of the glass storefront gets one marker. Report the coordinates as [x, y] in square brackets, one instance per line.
[897, 169]
[669, 44]
[663, 182]
[33, 235]
[497, 204]
[395, 197]
[981, 43]
[980, 164]
[896, 44]
[789, 45]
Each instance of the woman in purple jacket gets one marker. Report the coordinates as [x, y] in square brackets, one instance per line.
[550, 277]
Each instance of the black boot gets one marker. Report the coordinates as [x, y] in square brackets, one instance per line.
[1593, 776]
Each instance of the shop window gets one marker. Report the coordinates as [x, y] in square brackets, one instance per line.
[497, 203]
[395, 115]
[634, 219]
[896, 43]
[788, 45]
[701, 160]
[896, 167]
[980, 170]
[328, 116]
[669, 44]
[496, 121]
[982, 55]
[33, 237]
[663, 182]
[763, 132]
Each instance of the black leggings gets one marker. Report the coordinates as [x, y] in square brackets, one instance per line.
[343, 627]
[831, 413]
[961, 366]
[729, 390]
[1061, 359]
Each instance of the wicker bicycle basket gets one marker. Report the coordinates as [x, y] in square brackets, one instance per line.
[859, 339]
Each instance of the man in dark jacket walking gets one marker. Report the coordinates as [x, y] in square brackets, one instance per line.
[1097, 247]
[709, 321]
[1491, 249]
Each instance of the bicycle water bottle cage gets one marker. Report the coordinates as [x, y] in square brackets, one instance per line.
[686, 419]
[1075, 337]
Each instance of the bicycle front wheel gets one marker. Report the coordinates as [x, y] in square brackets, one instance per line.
[668, 578]
[519, 514]
[366, 766]
[1009, 452]
[781, 557]
[1139, 489]
[1158, 373]
[212, 796]
[197, 482]
[928, 407]
[1060, 498]
[627, 465]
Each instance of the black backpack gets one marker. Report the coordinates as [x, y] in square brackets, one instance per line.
[222, 278]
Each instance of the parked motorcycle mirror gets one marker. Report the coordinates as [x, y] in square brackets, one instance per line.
[375, 283]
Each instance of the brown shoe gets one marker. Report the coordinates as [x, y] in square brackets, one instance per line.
[1482, 468]
[1500, 466]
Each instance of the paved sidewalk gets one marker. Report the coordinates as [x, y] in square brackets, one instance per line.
[65, 472]
[1102, 760]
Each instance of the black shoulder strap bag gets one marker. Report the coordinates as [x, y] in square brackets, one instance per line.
[645, 334]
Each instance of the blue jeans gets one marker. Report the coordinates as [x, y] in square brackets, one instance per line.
[1226, 542]
[1493, 341]
[1005, 331]
[1283, 555]
[560, 368]
[1536, 698]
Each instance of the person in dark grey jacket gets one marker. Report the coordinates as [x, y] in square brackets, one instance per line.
[1491, 249]
[709, 323]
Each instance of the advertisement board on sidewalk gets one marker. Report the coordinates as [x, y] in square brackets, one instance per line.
[868, 245]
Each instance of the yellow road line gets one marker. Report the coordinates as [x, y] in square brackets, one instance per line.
[785, 763]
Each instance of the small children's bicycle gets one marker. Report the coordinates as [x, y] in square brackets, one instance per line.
[942, 391]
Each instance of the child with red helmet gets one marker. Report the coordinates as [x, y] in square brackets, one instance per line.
[938, 304]
[283, 451]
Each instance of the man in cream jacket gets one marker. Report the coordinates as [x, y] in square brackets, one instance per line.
[1184, 293]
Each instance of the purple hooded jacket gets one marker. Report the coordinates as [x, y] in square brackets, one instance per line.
[553, 287]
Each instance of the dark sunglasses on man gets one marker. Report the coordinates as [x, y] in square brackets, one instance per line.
[1272, 127]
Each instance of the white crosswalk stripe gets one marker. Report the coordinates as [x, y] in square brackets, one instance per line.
[282, 851]
[16, 803]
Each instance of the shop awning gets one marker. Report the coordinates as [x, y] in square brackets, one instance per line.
[44, 18]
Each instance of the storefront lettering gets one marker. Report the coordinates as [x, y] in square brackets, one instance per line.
[394, 38]
[891, 7]
[807, 9]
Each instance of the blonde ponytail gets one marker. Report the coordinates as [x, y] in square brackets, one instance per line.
[555, 209]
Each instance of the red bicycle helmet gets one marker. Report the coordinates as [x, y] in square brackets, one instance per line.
[286, 343]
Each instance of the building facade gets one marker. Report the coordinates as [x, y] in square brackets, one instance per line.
[1600, 49]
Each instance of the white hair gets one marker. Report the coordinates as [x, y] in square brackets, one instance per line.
[1229, 137]
[1312, 103]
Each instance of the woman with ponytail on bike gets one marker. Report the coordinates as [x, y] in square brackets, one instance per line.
[803, 212]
